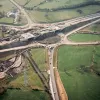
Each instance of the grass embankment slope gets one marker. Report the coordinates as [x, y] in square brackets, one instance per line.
[75, 64]
[94, 27]
[33, 81]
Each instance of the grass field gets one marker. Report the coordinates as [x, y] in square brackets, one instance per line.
[32, 78]
[21, 2]
[80, 84]
[6, 20]
[31, 3]
[38, 16]
[60, 15]
[39, 57]
[6, 7]
[24, 95]
[60, 3]
[50, 4]
[78, 37]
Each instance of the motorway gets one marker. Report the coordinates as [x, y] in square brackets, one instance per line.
[58, 26]
[64, 41]
[53, 87]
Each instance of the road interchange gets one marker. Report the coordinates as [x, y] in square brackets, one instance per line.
[64, 40]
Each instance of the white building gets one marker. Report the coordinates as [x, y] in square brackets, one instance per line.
[14, 15]
[27, 36]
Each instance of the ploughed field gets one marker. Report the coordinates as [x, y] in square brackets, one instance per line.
[79, 69]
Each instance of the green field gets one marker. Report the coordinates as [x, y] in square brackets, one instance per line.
[76, 67]
[24, 95]
[5, 7]
[21, 2]
[6, 20]
[39, 57]
[78, 37]
[54, 16]
[31, 3]
[50, 4]
[33, 81]
[60, 15]
[62, 3]
[32, 78]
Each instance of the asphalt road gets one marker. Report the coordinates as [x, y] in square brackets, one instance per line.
[52, 77]
[65, 41]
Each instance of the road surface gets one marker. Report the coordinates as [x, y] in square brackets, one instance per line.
[52, 77]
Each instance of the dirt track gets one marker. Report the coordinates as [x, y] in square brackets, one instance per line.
[61, 90]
